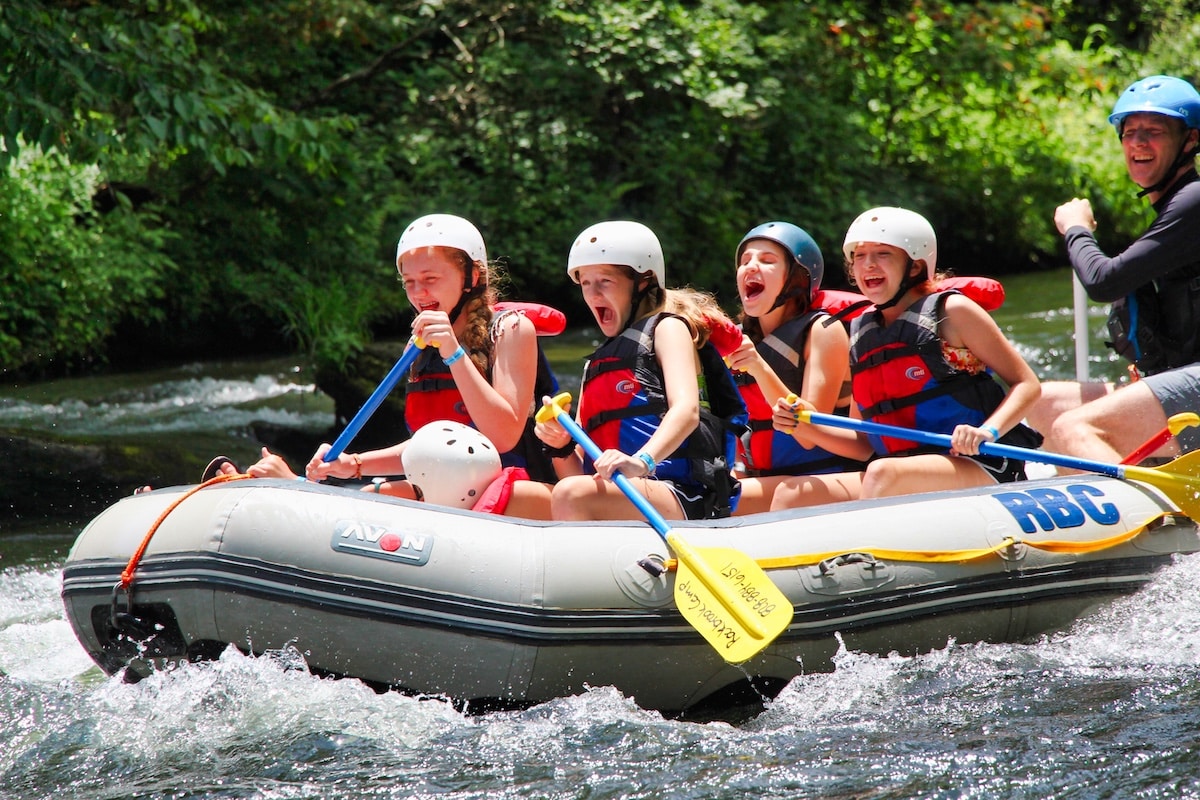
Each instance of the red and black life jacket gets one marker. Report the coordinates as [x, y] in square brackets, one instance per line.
[901, 378]
[623, 399]
[762, 449]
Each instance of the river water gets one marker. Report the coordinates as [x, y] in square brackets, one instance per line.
[1107, 709]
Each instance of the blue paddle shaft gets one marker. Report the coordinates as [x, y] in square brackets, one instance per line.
[368, 408]
[987, 448]
[655, 519]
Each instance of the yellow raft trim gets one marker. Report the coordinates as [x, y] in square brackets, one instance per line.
[960, 556]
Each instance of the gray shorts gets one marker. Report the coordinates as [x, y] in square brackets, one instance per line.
[1178, 391]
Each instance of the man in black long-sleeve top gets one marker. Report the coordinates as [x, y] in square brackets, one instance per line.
[1154, 286]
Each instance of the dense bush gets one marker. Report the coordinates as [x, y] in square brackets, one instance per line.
[260, 160]
[70, 274]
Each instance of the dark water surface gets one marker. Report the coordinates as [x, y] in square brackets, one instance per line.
[1107, 709]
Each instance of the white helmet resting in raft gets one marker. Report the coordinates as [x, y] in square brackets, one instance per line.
[451, 462]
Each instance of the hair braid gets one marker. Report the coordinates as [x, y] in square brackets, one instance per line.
[477, 340]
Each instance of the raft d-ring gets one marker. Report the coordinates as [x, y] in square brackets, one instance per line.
[830, 564]
[642, 575]
[114, 615]
[654, 564]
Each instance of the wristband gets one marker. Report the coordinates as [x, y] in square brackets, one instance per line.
[648, 460]
[455, 356]
[991, 430]
[567, 449]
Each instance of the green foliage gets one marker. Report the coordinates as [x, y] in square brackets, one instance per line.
[316, 317]
[96, 79]
[273, 151]
[66, 286]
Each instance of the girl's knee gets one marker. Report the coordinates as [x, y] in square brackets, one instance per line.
[570, 496]
[881, 478]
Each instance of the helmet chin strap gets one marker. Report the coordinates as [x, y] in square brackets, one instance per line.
[471, 290]
[467, 296]
[638, 294]
[1182, 158]
[795, 291]
[909, 282]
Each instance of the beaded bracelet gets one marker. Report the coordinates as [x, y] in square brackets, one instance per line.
[455, 356]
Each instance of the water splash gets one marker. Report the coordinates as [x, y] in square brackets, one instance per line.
[178, 402]
[1106, 708]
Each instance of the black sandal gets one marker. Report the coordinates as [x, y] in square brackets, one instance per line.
[214, 468]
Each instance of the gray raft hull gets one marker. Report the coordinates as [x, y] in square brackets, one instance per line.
[495, 611]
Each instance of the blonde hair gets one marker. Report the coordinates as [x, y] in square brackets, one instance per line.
[699, 309]
[477, 337]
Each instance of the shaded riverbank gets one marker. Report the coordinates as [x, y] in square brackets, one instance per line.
[74, 446]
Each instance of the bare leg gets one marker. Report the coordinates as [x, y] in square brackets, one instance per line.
[530, 500]
[891, 477]
[757, 494]
[1109, 428]
[584, 497]
[795, 491]
[393, 489]
[1058, 397]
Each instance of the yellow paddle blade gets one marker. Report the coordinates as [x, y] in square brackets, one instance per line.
[728, 598]
[1178, 479]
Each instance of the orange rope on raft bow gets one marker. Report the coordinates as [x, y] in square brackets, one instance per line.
[127, 573]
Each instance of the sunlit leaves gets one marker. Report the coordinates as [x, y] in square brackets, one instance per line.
[66, 286]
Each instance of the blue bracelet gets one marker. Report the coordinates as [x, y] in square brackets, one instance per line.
[992, 430]
[648, 460]
[455, 356]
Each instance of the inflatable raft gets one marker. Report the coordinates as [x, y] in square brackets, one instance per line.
[501, 612]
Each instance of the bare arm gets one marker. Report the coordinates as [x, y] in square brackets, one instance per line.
[966, 324]
[826, 367]
[676, 355]
[499, 409]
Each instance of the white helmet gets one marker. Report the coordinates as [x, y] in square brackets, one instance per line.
[631, 244]
[442, 230]
[451, 462]
[898, 227]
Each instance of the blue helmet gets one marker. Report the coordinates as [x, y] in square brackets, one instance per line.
[1158, 94]
[796, 241]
